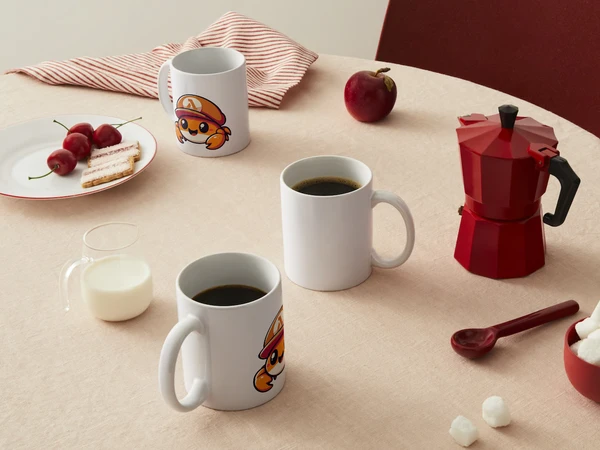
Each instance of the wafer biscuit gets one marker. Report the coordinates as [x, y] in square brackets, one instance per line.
[124, 149]
[111, 170]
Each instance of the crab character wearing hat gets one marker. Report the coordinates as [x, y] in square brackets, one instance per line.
[200, 121]
[273, 354]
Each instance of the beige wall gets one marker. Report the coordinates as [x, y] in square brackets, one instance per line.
[38, 30]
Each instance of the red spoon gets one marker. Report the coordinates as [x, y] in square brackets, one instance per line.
[473, 343]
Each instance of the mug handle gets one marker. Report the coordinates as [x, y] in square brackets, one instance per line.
[163, 89]
[398, 203]
[166, 367]
[63, 281]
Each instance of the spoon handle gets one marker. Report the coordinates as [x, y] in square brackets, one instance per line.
[537, 318]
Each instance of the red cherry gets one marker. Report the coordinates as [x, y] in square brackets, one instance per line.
[370, 96]
[78, 144]
[84, 128]
[106, 135]
[61, 162]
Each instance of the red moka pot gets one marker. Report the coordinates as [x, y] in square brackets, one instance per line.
[506, 163]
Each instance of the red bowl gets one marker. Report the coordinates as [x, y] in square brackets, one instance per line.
[584, 377]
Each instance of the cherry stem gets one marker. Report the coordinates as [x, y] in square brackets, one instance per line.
[384, 70]
[56, 121]
[124, 123]
[56, 166]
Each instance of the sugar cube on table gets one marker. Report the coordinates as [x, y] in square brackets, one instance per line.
[589, 351]
[586, 327]
[575, 347]
[495, 412]
[463, 431]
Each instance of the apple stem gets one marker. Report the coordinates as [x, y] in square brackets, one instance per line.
[384, 70]
[56, 121]
[124, 123]
[56, 166]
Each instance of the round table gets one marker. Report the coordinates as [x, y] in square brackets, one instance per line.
[369, 367]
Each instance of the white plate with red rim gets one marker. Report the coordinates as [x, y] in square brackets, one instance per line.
[25, 147]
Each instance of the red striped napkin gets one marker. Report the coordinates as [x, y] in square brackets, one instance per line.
[275, 63]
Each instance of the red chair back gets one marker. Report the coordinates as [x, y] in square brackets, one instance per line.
[544, 51]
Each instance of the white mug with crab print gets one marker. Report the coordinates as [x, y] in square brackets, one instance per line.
[233, 356]
[210, 100]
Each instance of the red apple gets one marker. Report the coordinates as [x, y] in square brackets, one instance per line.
[370, 96]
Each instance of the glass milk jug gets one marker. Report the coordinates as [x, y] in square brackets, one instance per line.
[116, 281]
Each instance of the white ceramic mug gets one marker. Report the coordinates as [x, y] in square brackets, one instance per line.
[211, 100]
[233, 356]
[327, 240]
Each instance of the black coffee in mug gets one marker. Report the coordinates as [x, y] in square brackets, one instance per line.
[326, 186]
[229, 295]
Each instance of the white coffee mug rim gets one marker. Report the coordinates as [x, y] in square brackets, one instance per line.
[209, 49]
[243, 305]
[347, 158]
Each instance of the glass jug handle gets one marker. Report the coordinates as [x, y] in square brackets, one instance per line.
[65, 274]
[569, 183]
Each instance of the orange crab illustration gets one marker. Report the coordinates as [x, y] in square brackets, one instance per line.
[273, 352]
[200, 121]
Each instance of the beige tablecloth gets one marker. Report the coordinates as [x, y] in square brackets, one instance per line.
[367, 368]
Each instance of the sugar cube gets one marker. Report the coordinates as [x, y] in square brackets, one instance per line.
[495, 412]
[589, 351]
[463, 431]
[594, 335]
[575, 347]
[596, 314]
[586, 327]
